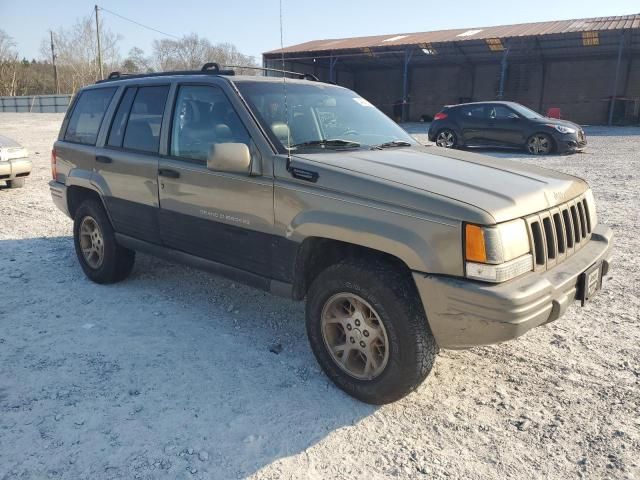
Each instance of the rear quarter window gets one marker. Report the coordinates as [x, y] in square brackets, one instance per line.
[87, 115]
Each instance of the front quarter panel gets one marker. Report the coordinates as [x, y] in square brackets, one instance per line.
[422, 243]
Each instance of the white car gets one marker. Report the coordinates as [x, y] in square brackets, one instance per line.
[14, 164]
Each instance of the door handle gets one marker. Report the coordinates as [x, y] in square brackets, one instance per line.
[166, 172]
[103, 159]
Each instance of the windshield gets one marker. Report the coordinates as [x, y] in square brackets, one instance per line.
[320, 116]
[524, 111]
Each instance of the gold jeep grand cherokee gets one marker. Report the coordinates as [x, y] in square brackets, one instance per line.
[306, 190]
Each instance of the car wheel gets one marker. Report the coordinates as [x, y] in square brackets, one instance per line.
[540, 144]
[446, 138]
[101, 258]
[368, 330]
[16, 183]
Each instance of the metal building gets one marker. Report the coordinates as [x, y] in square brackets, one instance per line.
[588, 68]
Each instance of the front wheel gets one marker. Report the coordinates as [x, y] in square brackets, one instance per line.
[368, 330]
[539, 144]
[446, 138]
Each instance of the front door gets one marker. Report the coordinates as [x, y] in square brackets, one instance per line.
[504, 126]
[219, 216]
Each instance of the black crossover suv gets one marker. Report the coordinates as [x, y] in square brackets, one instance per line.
[504, 124]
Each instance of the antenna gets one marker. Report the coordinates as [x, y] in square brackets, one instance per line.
[284, 89]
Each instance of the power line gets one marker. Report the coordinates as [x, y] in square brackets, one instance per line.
[139, 24]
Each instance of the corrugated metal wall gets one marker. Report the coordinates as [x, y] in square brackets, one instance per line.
[35, 103]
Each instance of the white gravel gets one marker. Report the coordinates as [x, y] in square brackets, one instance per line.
[170, 374]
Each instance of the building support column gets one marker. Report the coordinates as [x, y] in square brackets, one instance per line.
[332, 68]
[614, 90]
[503, 72]
[408, 54]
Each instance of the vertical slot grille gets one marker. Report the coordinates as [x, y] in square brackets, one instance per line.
[549, 237]
[557, 222]
[586, 214]
[576, 224]
[538, 243]
[568, 228]
[583, 223]
[559, 232]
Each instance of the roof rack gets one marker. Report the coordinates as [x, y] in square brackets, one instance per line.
[299, 75]
[209, 68]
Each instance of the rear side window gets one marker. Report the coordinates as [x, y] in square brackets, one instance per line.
[116, 134]
[87, 115]
[136, 124]
[473, 111]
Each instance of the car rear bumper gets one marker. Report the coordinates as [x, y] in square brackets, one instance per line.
[59, 196]
[464, 313]
[16, 168]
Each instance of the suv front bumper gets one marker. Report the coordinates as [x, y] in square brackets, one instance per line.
[464, 313]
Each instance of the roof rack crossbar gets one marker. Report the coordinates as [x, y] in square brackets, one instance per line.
[300, 75]
[207, 69]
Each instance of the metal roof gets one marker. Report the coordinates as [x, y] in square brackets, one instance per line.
[622, 22]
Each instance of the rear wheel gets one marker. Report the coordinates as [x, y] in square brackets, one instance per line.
[101, 258]
[16, 183]
[368, 331]
[540, 144]
[446, 138]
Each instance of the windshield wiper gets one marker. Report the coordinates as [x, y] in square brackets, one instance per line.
[392, 143]
[335, 142]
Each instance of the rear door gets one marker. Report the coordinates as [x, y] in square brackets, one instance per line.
[127, 162]
[221, 216]
[472, 121]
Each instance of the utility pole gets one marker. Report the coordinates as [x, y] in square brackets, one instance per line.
[99, 50]
[55, 68]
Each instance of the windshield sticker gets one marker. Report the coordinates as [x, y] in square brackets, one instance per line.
[362, 101]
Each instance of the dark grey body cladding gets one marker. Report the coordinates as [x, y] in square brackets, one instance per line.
[226, 249]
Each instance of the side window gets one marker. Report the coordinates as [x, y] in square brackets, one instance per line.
[142, 131]
[87, 115]
[500, 112]
[473, 111]
[116, 134]
[203, 117]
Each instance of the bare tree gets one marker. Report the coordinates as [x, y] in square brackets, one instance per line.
[8, 65]
[192, 51]
[136, 61]
[77, 53]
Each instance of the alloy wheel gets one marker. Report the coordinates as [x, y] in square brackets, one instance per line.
[354, 336]
[91, 242]
[539, 145]
[446, 139]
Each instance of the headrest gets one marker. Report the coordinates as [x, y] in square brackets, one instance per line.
[281, 131]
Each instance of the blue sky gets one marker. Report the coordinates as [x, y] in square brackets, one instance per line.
[253, 26]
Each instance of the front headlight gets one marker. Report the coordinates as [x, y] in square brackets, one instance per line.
[497, 253]
[562, 128]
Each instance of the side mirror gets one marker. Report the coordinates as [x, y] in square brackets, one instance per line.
[513, 116]
[229, 157]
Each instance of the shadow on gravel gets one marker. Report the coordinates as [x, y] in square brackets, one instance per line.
[167, 374]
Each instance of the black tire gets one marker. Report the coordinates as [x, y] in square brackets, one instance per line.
[16, 183]
[392, 293]
[446, 138]
[117, 262]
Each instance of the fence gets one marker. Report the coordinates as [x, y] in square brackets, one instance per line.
[35, 103]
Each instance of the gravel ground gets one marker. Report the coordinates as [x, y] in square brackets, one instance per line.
[170, 374]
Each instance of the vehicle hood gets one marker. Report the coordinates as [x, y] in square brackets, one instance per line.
[502, 188]
[556, 121]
